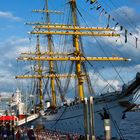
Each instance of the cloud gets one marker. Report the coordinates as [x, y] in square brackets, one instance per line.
[10, 49]
[101, 85]
[9, 15]
[7, 94]
[115, 46]
[128, 17]
[135, 1]
[137, 67]
[7, 81]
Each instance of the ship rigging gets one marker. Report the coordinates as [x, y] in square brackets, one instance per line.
[54, 64]
[77, 56]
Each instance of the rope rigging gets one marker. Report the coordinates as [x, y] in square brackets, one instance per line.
[115, 124]
[62, 66]
[100, 45]
[62, 87]
[133, 24]
[96, 4]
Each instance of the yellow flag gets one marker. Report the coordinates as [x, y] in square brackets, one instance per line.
[92, 1]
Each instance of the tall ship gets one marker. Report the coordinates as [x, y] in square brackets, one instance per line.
[61, 72]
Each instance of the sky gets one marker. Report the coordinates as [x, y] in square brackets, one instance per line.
[14, 38]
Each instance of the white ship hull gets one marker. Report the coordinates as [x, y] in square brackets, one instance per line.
[70, 119]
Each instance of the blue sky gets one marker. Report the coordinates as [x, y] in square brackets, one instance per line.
[14, 37]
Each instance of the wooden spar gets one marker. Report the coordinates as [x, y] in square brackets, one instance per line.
[74, 58]
[69, 27]
[48, 76]
[77, 33]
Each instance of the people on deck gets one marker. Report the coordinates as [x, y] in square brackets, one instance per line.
[30, 134]
[13, 132]
[18, 134]
[4, 133]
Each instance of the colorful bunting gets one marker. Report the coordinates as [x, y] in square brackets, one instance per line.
[126, 36]
[121, 28]
[108, 21]
[116, 25]
[92, 1]
[113, 19]
[136, 42]
[102, 12]
[99, 6]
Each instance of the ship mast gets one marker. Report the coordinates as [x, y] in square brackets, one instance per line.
[77, 51]
[39, 70]
[76, 32]
[51, 65]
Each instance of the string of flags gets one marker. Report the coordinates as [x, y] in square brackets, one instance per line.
[98, 6]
